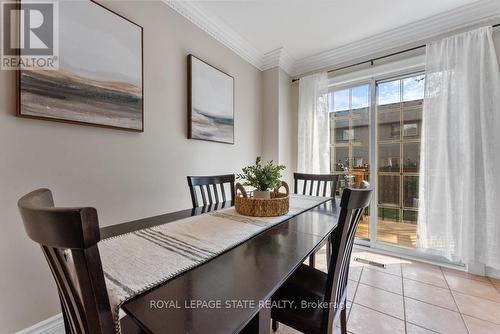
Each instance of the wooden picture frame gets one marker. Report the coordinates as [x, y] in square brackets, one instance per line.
[125, 91]
[210, 102]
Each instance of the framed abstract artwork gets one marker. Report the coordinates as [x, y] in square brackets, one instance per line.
[210, 102]
[99, 81]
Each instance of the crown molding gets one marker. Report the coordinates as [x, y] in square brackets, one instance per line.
[278, 58]
[218, 30]
[418, 31]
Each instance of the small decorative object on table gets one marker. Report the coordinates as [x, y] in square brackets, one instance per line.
[264, 203]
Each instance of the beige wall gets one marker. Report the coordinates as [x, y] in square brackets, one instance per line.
[124, 175]
[270, 116]
[279, 121]
[287, 127]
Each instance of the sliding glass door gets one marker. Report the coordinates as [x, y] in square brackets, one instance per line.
[350, 139]
[399, 119]
[375, 135]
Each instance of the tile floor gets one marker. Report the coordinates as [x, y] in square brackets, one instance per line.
[412, 297]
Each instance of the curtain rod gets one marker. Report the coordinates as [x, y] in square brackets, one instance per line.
[370, 61]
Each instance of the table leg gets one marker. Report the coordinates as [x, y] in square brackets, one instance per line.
[259, 324]
[264, 320]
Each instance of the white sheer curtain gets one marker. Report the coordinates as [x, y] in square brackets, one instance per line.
[313, 125]
[459, 214]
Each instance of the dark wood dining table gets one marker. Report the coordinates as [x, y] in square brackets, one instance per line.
[230, 293]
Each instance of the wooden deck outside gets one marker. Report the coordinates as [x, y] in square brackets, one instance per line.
[391, 232]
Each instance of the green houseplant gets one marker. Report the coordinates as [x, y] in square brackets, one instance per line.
[262, 177]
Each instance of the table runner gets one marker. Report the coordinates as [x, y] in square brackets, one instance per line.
[138, 261]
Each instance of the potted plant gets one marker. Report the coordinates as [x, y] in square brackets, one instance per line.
[263, 178]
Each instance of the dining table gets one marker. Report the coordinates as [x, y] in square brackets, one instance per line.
[232, 292]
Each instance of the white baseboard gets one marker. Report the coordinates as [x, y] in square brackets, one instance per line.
[52, 325]
[493, 273]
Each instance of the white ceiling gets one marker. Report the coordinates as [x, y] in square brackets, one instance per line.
[307, 27]
[302, 36]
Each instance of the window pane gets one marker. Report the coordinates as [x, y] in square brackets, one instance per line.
[388, 189]
[410, 217]
[360, 97]
[388, 157]
[341, 158]
[342, 131]
[412, 119]
[361, 126]
[389, 92]
[350, 139]
[413, 88]
[360, 157]
[388, 214]
[411, 157]
[415, 106]
[341, 100]
[389, 126]
[399, 126]
[412, 129]
[410, 197]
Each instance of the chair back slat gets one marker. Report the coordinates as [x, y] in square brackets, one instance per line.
[72, 307]
[315, 181]
[209, 194]
[223, 192]
[352, 205]
[216, 194]
[68, 238]
[207, 186]
[203, 197]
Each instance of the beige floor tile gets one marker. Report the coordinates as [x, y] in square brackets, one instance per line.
[393, 269]
[381, 280]
[473, 288]
[414, 329]
[380, 300]
[366, 321]
[424, 273]
[495, 281]
[433, 317]
[477, 326]
[355, 272]
[478, 307]
[452, 272]
[429, 293]
[351, 289]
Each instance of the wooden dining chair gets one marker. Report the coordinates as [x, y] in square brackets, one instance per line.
[80, 282]
[211, 189]
[315, 185]
[310, 285]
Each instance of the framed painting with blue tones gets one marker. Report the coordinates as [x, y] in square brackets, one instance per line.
[210, 102]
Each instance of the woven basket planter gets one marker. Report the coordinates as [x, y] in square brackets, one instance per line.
[278, 205]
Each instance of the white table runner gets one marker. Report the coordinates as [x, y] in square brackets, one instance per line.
[138, 261]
